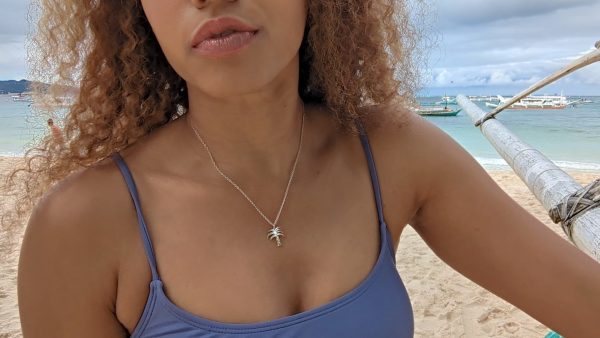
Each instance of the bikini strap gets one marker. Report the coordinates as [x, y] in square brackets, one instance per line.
[372, 171]
[385, 234]
[138, 209]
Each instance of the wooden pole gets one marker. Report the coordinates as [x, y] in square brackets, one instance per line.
[586, 60]
[549, 183]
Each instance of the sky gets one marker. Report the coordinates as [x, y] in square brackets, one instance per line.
[489, 47]
[13, 28]
[483, 47]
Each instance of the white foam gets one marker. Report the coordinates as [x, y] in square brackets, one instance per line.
[492, 163]
[499, 163]
[578, 165]
[11, 154]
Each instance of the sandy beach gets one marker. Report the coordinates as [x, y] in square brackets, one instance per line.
[445, 303]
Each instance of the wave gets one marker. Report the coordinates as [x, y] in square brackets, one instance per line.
[501, 164]
[11, 154]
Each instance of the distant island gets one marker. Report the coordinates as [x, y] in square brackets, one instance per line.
[14, 86]
[25, 86]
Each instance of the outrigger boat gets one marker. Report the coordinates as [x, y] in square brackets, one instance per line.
[436, 111]
[576, 208]
[536, 102]
[446, 100]
[483, 98]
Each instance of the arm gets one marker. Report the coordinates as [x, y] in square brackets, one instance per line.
[477, 229]
[67, 274]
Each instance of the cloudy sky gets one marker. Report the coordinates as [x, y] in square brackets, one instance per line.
[483, 46]
[13, 27]
[490, 47]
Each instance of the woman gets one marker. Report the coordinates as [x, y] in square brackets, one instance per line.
[249, 171]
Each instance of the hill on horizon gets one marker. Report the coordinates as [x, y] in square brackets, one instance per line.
[14, 86]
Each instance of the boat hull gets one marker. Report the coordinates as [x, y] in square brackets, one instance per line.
[437, 111]
[523, 107]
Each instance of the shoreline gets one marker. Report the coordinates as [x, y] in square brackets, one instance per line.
[445, 303]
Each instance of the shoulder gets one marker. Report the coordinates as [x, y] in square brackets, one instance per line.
[69, 258]
[78, 206]
[446, 175]
[395, 126]
[406, 144]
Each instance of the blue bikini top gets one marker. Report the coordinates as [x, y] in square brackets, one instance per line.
[377, 307]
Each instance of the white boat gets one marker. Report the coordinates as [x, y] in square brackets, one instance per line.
[22, 98]
[483, 98]
[585, 100]
[447, 100]
[536, 102]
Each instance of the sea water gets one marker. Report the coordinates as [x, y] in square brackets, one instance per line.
[570, 137]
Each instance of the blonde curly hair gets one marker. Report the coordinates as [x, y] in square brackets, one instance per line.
[354, 53]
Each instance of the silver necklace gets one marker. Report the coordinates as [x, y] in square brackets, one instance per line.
[275, 233]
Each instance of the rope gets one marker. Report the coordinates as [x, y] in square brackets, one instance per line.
[582, 200]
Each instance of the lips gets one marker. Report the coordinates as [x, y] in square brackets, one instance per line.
[220, 28]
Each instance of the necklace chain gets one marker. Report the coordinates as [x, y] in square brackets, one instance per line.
[238, 188]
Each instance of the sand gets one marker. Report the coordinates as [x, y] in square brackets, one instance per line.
[445, 303]
[9, 315]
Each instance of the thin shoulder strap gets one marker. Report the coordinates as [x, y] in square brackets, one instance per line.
[372, 170]
[136, 201]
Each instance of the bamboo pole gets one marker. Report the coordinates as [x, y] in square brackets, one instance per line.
[549, 183]
[585, 60]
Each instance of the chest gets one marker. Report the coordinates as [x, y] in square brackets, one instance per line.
[213, 253]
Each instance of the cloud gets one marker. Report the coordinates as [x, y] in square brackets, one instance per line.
[479, 76]
[12, 60]
[13, 20]
[513, 43]
[518, 73]
[485, 43]
[475, 12]
[13, 28]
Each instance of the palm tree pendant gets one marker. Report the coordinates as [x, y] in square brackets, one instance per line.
[275, 234]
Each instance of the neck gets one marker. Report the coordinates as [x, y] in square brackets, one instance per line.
[258, 132]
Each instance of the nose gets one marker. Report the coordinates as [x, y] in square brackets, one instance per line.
[205, 3]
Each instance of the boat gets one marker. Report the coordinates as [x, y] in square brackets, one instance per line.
[483, 98]
[22, 98]
[536, 102]
[585, 100]
[436, 111]
[447, 100]
[558, 192]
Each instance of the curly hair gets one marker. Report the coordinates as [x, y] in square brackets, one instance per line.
[355, 53]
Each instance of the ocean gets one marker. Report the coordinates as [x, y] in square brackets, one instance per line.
[569, 137]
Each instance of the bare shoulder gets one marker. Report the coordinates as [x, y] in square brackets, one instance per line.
[69, 260]
[411, 145]
[78, 208]
[398, 138]
[405, 146]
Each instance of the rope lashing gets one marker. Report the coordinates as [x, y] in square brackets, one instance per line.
[584, 199]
